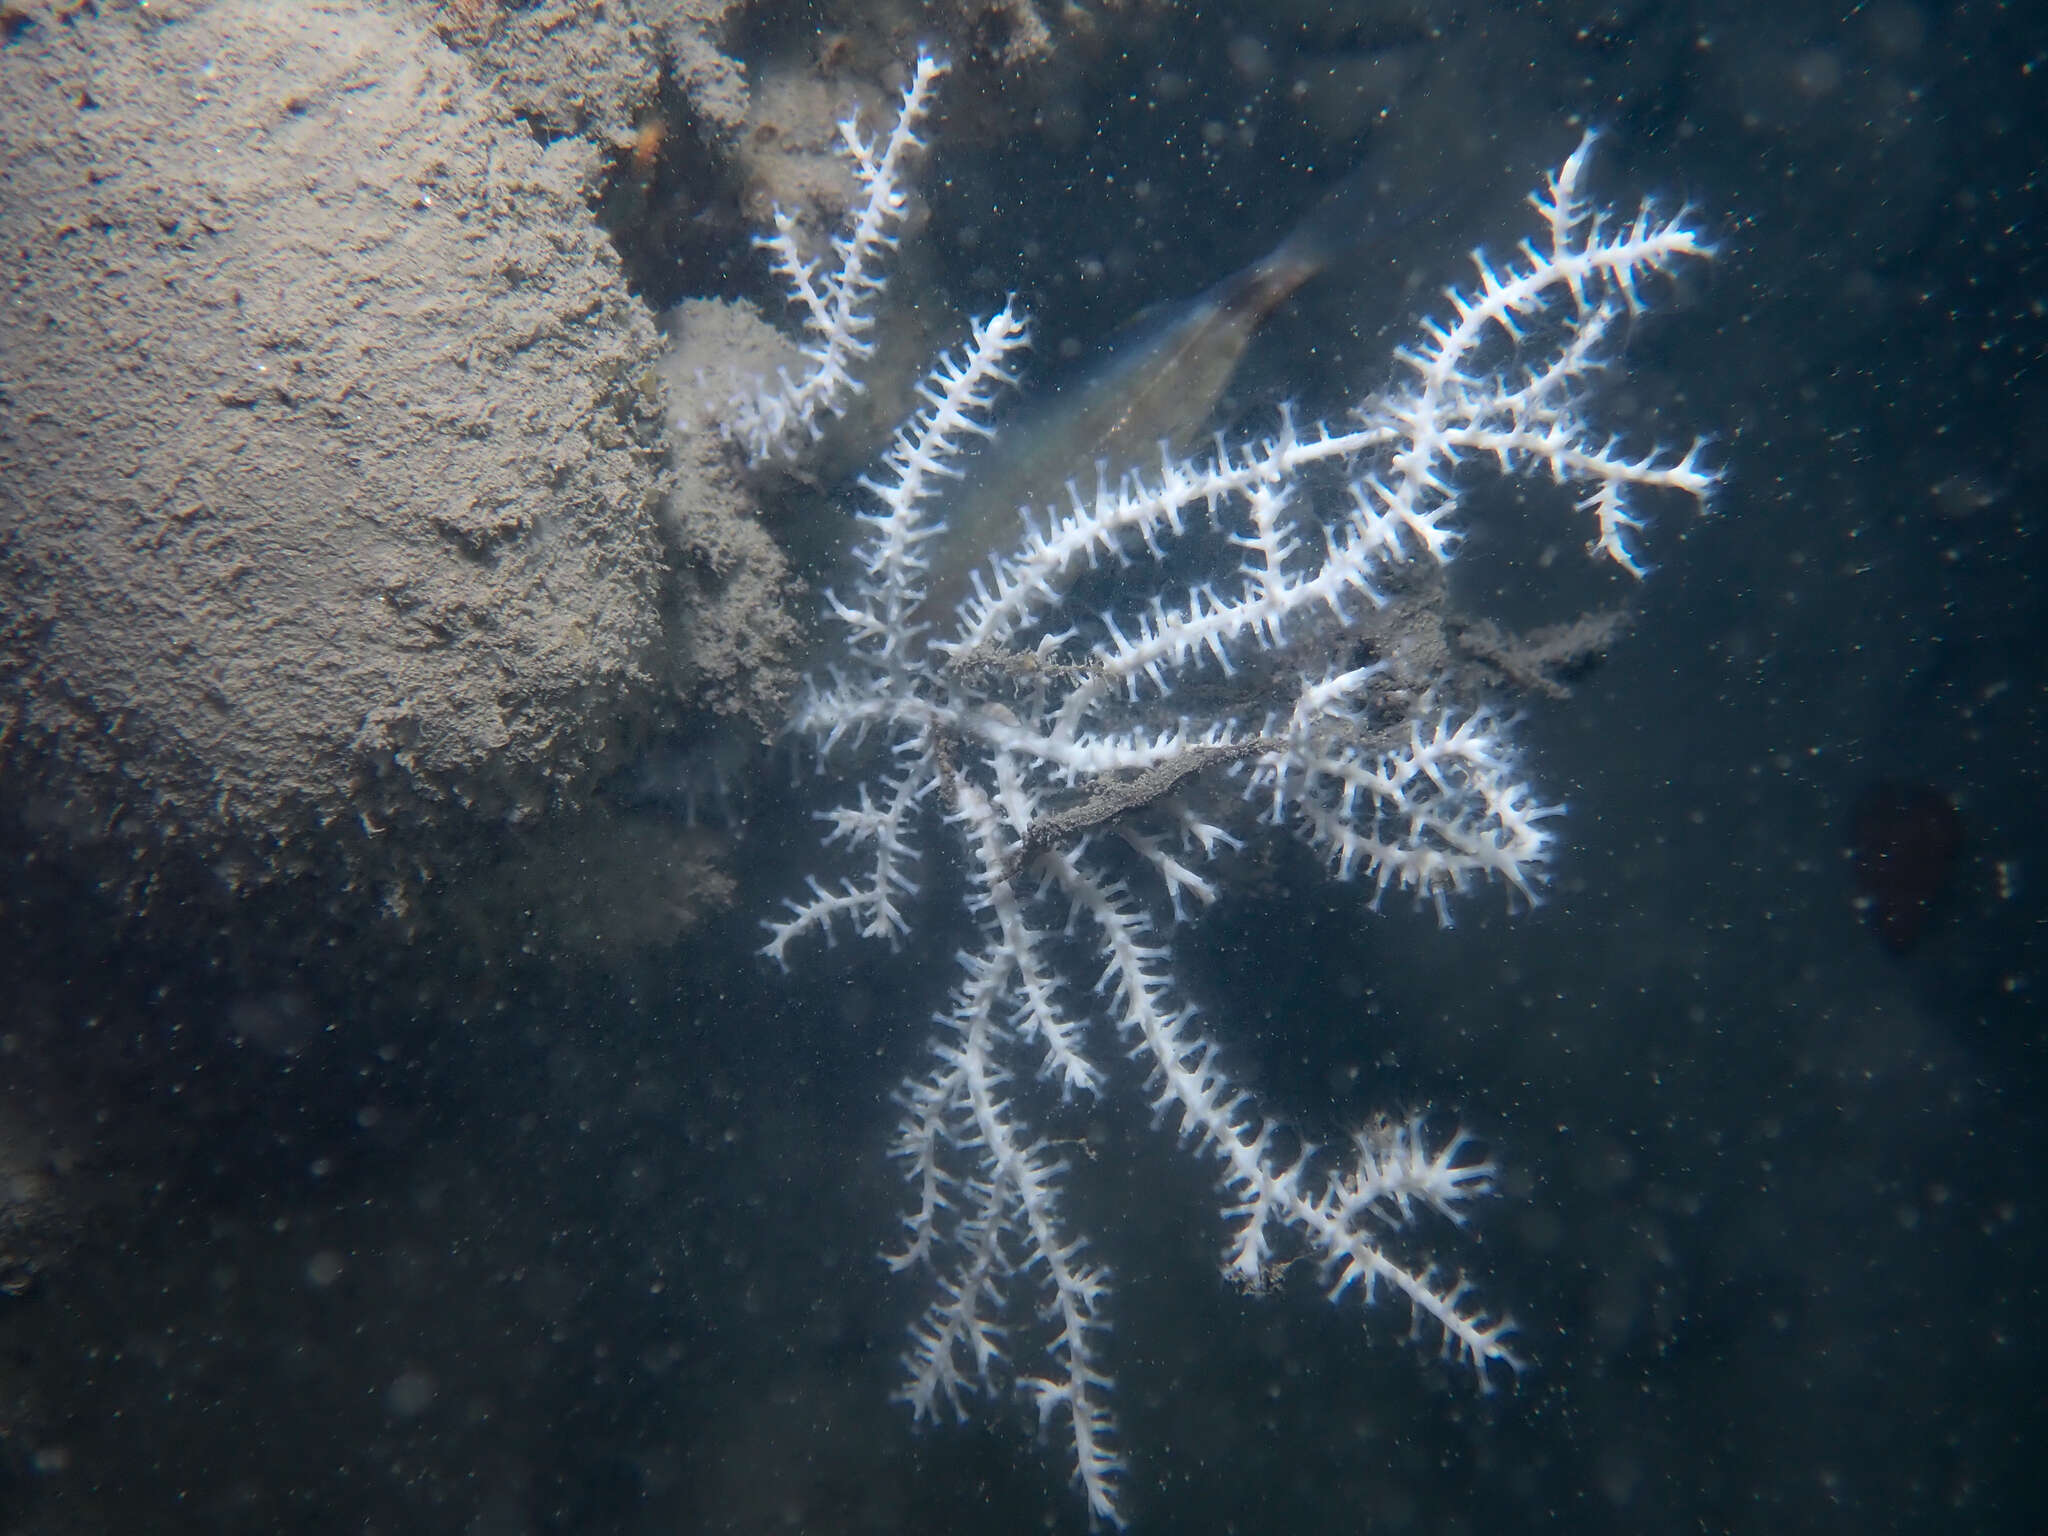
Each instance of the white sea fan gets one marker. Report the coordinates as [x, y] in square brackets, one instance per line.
[1061, 747]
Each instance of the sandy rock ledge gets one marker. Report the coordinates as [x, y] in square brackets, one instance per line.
[329, 448]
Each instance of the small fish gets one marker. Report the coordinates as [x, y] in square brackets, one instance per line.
[1157, 385]
[699, 781]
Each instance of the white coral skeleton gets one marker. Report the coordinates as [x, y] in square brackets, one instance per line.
[1055, 745]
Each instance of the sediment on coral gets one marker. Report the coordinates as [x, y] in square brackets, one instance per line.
[329, 456]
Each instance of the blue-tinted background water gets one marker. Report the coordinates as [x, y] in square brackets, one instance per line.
[534, 1244]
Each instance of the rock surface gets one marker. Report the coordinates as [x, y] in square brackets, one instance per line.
[328, 441]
